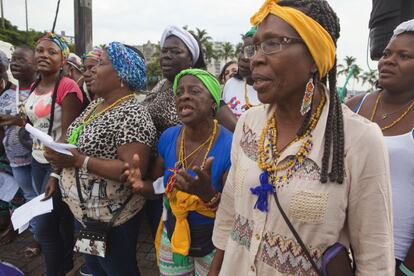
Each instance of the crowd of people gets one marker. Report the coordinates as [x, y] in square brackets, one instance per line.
[260, 171]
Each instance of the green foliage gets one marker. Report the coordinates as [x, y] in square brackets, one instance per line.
[370, 77]
[18, 38]
[345, 69]
[154, 73]
[22, 38]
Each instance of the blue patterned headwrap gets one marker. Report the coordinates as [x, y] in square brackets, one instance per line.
[58, 40]
[129, 66]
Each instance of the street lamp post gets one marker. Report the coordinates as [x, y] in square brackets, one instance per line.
[2, 15]
[83, 26]
[27, 20]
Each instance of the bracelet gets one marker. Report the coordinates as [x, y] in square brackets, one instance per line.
[405, 270]
[85, 163]
[55, 175]
[214, 201]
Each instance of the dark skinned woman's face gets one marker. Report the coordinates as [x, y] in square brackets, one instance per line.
[175, 57]
[88, 64]
[283, 74]
[48, 57]
[396, 66]
[104, 78]
[244, 63]
[193, 101]
[22, 65]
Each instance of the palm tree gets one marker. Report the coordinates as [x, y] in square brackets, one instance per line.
[350, 66]
[371, 78]
[202, 36]
[238, 49]
[228, 51]
[208, 50]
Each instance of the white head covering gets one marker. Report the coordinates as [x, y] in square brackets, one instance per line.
[74, 60]
[185, 36]
[407, 26]
[4, 60]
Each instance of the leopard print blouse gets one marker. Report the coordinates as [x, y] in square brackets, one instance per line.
[128, 122]
[161, 106]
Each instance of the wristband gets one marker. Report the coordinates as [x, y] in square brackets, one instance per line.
[55, 175]
[405, 270]
[214, 201]
[85, 163]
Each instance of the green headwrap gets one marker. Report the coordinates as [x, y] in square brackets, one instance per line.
[251, 32]
[209, 81]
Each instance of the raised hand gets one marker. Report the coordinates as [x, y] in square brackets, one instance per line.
[132, 176]
[200, 185]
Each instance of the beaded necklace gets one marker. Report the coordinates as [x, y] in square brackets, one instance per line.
[374, 111]
[182, 157]
[92, 115]
[268, 156]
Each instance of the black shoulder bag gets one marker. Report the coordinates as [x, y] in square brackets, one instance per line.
[335, 260]
[93, 237]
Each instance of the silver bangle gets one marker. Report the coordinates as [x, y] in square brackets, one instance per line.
[85, 163]
[55, 175]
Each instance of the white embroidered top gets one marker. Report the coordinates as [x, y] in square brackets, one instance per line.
[357, 212]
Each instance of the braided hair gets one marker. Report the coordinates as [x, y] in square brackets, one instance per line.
[321, 11]
[54, 97]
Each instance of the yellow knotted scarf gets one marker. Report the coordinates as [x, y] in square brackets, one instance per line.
[316, 38]
[181, 204]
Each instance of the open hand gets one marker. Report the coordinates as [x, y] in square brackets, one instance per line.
[199, 185]
[132, 175]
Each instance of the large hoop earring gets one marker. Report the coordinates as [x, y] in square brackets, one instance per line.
[307, 98]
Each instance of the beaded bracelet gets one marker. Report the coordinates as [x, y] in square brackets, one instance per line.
[405, 270]
[214, 201]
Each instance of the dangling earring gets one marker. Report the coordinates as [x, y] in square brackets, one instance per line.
[122, 84]
[214, 108]
[307, 98]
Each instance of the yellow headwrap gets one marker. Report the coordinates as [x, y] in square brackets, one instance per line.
[316, 38]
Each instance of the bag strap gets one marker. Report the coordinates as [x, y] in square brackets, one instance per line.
[297, 237]
[83, 207]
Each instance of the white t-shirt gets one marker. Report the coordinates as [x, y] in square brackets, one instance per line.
[38, 108]
[234, 96]
[401, 153]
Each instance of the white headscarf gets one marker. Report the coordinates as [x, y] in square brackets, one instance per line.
[407, 26]
[186, 37]
[4, 60]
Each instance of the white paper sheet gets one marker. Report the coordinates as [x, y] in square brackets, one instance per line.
[48, 141]
[8, 187]
[159, 186]
[35, 207]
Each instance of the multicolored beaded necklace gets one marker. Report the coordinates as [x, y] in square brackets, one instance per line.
[182, 158]
[268, 158]
[92, 115]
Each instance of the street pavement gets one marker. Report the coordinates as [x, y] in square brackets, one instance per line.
[13, 253]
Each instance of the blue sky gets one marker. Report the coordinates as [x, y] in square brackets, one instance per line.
[137, 21]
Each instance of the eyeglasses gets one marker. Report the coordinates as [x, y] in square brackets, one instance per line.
[269, 46]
